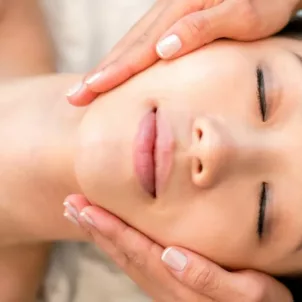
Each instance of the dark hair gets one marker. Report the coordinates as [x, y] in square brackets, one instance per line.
[294, 284]
[294, 28]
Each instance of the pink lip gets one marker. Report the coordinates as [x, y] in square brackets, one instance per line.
[153, 148]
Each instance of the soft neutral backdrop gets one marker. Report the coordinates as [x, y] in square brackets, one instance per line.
[84, 31]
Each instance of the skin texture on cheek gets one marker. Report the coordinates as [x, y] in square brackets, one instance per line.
[104, 161]
[220, 221]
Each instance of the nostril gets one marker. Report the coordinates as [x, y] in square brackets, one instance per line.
[197, 166]
[199, 134]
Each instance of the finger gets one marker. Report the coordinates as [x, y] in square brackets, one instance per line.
[74, 203]
[194, 31]
[262, 287]
[204, 276]
[105, 244]
[142, 53]
[77, 99]
[79, 95]
[124, 237]
[142, 255]
[133, 34]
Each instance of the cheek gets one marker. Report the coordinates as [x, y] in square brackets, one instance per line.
[102, 157]
[208, 226]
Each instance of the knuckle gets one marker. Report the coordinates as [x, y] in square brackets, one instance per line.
[191, 27]
[194, 27]
[143, 39]
[134, 256]
[203, 278]
[135, 259]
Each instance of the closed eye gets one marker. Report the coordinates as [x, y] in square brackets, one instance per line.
[261, 94]
[262, 209]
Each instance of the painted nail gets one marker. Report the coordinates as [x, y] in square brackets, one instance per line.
[169, 46]
[87, 218]
[175, 259]
[95, 77]
[75, 89]
[69, 217]
[71, 209]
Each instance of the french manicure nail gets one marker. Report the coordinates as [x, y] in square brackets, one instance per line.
[70, 218]
[175, 259]
[76, 88]
[169, 46]
[87, 218]
[71, 209]
[94, 78]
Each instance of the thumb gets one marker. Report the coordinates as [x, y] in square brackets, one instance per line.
[195, 30]
[201, 275]
[210, 280]
[243, 20]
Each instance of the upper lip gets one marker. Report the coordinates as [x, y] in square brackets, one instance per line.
[153, 148]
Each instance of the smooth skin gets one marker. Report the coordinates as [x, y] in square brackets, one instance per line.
[50, 149]
[269, 287]
[140, 258]
[225, 132]
[22, 267]
[141, 42]
[195, 23]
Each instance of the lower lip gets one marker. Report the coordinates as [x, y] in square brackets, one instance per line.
[153, 147]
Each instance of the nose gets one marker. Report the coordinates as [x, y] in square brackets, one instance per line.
[212, 152]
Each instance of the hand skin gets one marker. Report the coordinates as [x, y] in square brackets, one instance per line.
[191, 24]
[40, 136]
[40, 133]
[38, 217]
[140, 258]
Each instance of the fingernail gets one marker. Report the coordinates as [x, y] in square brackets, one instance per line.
[90, 80]
[75, 89]
[71, 209]
[175, 259]
[168, 46]
[87, 218]
[70, 218]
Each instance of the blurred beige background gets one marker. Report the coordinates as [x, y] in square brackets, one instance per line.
[84, 31]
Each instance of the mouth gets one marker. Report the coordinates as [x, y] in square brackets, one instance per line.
[153, 149]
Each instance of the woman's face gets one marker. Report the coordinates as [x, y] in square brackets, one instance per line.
[227, 154]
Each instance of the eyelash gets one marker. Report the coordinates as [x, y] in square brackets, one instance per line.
[261, 94]
[262, 202]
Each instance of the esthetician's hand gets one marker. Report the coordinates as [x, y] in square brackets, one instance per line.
[173, 274]
[173, 28]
